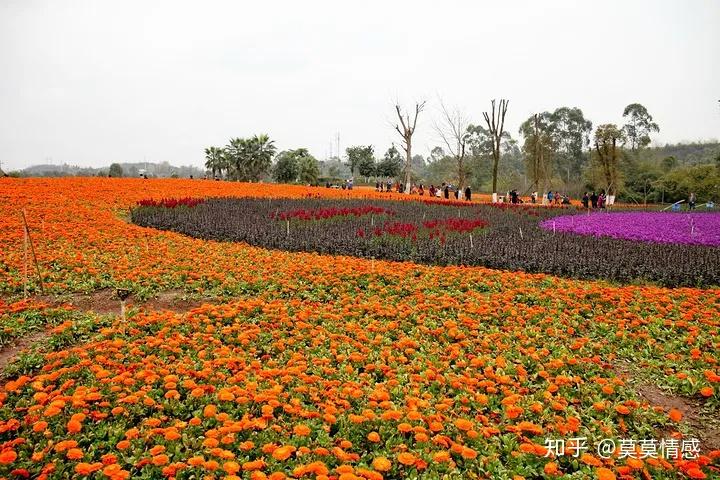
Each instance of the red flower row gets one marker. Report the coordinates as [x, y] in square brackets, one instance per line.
[325, 213]
[437, 228]
[171, 202]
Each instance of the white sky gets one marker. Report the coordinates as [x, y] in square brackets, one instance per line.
[92, 82]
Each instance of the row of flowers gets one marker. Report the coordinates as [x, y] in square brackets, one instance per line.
[513, 237]
[334, 367]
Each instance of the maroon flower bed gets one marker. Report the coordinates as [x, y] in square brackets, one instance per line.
[171, 202]
[455, 224]
[327, 213]
[438, 233]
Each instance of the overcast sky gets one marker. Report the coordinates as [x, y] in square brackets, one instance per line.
[92, 82]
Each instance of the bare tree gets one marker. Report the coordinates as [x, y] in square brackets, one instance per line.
[408, 128]
[453, 131]
[496, 125]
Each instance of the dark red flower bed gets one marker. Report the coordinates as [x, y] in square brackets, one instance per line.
[437, 232]
[171, 202]
[332, 212]
[455, 224]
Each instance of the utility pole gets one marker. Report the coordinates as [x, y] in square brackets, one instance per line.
[337, 140]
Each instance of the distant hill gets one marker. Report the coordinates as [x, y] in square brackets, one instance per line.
[687, 153]
[157, 170]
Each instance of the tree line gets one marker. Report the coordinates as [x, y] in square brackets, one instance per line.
[560, 150]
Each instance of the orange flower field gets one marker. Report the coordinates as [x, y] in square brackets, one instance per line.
[299, 365]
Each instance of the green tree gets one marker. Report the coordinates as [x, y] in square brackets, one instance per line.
[639, 126]
[391, 164]
[669, 162]
[308, 168]
[367, 166]
[250, 158]
[286, 167]
[539, 149]
[116, 170]
[571, 136]
[357, 155]
[215, 160]
[641, 180]
[296, 166]
[608, 139]
[703, 180]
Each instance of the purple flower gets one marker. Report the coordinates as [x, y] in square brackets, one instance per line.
[657, 227]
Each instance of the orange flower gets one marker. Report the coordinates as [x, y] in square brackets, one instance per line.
[254, 465]
[468, 453]
[441, 457]
[74, 454]
[381, 464]
[301, 430]
[74, 426]
[463, 424]
[622, 410]
[675, 415]
[407, 458]
[707, 391]
[7, 456]
[551, 468]
[87, 468]
[231, 468]
[605, 474]
[282, 453]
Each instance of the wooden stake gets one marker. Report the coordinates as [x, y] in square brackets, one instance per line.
[32, 250]
[25, 263]
[288, 227]
[471, 242]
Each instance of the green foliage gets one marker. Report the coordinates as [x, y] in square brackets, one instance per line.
[640, 181]
[286, 167]
[116, 170]
[703, 180]
[367, 167]
[539, 148]
[571, 135]
[668, 163]
[308, 169]
[359, 155]
[249, 158]
[639, 127]
[296, 166]
[215, 160]
[391, 165]
[608, 138]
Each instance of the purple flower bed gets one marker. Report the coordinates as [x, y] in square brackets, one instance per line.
[656, 227]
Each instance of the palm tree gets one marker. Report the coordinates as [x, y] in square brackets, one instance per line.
[249, 158]
[215, 160]
[235, 157]
[260, 152]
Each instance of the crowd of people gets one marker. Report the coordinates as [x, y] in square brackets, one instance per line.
[445, 190]
[594, 200]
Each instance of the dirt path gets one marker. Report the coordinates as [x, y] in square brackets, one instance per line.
[702, 426]
[9, 352]
[102, 302]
